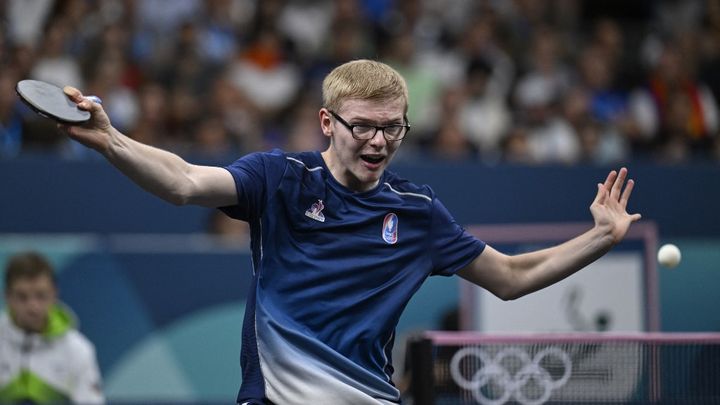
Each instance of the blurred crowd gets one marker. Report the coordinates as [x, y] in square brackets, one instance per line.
[520, 81]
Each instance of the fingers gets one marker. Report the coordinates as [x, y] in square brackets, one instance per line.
[618, 184]
[89, 103]
[601, 194]
[626, 193]
[610, 180]
[73, 93]
[614, 185]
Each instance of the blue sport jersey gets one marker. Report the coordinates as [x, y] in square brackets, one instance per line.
[333, 270]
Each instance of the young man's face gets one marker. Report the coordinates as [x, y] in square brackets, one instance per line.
[29, 300]
[359, 164]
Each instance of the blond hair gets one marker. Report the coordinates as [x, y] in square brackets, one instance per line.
[363, 80]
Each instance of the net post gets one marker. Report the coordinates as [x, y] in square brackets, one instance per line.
[422, 381]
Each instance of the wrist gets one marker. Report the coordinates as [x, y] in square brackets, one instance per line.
[603, 233]
[113, 144]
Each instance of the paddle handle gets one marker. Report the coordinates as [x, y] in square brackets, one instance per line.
[94, 99]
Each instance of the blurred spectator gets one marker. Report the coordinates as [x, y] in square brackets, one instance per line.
[546, 64]
[481, 41]
[450, 143]
[152, 125]
[156, 25]
[43, 358]
[516, 147]
[423, 86]
[673, 109]
[608, 103]
[11, 118]
[25, 19]
[264, 72]
[550, 138]
[484, 117]
[346, 40]
[600, 143]
[184, 113]
[108, 81]
[601, 80]
[237, 114]
[220, 29]
[211, 139]
[307, 23]
[304, 133]
[54, 64]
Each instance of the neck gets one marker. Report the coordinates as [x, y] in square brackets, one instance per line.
[343, 176]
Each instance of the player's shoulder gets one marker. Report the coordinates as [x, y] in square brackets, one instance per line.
[274, 156]
[277, 158]
[309, 161]
[406, 189]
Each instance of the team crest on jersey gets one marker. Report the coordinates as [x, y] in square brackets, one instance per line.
[315, 211]
[390, 228]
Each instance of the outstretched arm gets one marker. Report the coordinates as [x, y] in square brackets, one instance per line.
[160, 172]
[510, 277]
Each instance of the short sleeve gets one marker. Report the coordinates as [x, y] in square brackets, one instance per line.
[452, 246]
[254, 175]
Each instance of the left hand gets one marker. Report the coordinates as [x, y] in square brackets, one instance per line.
[609, 209]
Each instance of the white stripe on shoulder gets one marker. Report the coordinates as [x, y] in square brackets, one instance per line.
[406, 193]
[310, 169]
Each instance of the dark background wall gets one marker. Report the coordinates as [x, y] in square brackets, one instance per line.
[50, 195]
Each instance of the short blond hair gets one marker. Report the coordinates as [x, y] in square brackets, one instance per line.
[363, 79]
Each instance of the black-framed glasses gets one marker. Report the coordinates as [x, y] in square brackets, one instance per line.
[363, 132]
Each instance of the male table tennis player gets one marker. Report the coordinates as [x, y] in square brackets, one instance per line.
[340, 244]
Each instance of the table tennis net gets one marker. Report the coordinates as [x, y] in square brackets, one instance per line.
[470, 368]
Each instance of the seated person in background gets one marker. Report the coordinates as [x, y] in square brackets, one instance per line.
[43, 358]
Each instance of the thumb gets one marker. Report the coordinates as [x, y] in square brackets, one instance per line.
[601, 194]
[74, 94]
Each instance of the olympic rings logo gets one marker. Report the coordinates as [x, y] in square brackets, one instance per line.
[492, 375]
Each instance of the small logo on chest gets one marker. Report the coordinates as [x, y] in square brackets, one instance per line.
[390, 228]
[315, 211]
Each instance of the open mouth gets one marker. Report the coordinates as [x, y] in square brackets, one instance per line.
[372, 159]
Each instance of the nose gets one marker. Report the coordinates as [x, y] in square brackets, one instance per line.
[378, 140]
[34, 308]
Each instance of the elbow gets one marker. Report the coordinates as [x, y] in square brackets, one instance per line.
[184, 191]
[515, 286]
[176, 196]
[506, 297]
[177, 200]
[508, 294]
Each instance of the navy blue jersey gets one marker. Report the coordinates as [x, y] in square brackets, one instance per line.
[333, 270]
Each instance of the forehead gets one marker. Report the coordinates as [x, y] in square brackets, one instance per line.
[31, 284]
[373, 110]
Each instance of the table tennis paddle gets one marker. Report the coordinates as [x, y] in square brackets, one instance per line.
[51, 102]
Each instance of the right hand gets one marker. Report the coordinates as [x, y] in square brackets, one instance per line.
[97, 132]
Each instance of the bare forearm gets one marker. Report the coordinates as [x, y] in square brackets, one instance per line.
[510, 277]
[536, 270]
[160, 172]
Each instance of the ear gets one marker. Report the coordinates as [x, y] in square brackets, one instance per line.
[326, 122]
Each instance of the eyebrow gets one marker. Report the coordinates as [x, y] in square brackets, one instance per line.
[363, 121]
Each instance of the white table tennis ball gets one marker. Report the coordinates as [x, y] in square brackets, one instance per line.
[669, 255]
